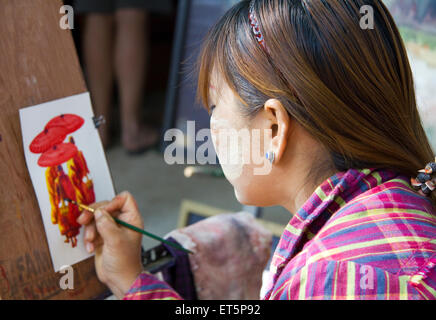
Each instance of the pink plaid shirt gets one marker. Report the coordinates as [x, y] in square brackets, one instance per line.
[363, 234]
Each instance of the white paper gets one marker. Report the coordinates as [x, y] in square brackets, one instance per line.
[33, 120]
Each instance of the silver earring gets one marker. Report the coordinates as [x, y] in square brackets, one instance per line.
[270, 155]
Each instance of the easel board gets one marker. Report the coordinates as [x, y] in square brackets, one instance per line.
[38, 64]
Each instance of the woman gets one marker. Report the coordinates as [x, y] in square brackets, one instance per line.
[345, 144]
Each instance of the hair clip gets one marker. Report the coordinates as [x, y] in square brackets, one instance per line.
[424, 183]
[255, 26]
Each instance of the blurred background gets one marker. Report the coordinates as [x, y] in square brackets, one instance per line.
[138, 58]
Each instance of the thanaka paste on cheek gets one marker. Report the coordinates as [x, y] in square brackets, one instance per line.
[229, 151]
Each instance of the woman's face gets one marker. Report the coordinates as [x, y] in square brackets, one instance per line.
[241, 144]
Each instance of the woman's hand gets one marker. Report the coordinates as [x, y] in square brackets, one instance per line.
[117, 249]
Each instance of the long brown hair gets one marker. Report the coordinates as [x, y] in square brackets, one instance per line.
[351, 88]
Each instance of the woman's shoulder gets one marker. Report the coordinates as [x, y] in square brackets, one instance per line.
[394, 198]
[390, 227]
[391, 211]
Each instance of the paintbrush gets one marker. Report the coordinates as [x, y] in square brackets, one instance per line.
[127, 225]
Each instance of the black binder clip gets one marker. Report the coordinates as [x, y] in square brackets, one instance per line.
[98, 121]
[156, 259]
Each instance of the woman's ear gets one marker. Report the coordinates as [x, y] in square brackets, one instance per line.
[279, 125]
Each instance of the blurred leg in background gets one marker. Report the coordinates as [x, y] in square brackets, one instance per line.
[98, 43]
[115, 47]
[131, 57]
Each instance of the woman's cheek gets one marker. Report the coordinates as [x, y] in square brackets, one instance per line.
[214, 135]
[229, 154]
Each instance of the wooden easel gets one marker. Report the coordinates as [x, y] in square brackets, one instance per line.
[38, 63]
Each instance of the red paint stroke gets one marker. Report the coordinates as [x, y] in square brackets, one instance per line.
[70, 122]
[47, 138]
[57, 155]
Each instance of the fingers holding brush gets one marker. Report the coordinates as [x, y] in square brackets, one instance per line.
[86, 216]
[100, 229]
[124, 207]
[92, 238]
[117, 249]
[117, 252]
